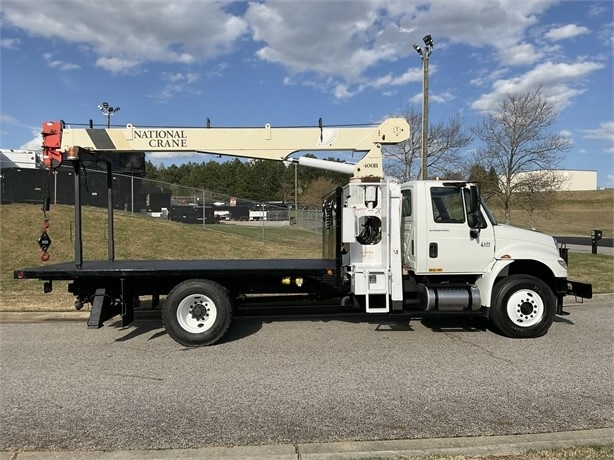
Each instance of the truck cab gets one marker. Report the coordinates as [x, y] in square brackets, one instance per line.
[434, 246]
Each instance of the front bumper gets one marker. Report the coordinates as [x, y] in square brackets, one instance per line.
[563, 287]
[579, 289]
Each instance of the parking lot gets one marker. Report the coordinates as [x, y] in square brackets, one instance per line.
[301, 379]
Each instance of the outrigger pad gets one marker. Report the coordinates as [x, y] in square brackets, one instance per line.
[103, 308]
[579, 289]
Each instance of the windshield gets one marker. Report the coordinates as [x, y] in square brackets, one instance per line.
[491, 218]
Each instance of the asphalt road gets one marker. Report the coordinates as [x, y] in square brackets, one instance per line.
[584, 244]
[299, 380]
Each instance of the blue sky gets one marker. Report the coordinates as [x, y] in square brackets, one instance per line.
[176, 63]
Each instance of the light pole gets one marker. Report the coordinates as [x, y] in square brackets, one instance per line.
[296, 194]
[108, 111]
[424, 55]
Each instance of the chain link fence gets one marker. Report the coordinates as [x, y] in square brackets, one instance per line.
[136, 195]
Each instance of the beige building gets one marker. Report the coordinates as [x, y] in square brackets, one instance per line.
[570, 180]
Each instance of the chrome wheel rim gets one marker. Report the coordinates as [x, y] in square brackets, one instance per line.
[525, 308]
[196, 313]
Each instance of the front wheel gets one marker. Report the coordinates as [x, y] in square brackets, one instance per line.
[522, 306]
[197, 312]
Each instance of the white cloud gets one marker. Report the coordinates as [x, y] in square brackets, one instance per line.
[596, 9]
[345, 40]
[33, 144]
[7, 119]
[342, 92]
[218, 70]
[439, 98]
[128, 33]
[485, 78]
[10, 43]
[605, 132]
[520, 54]
[564, 32]
[117, 65]
[340, 47]
[411, 75]
[558, 80]
[189, 77]
[8, 122]
[59, 64]
[177, 83]
[326, 38]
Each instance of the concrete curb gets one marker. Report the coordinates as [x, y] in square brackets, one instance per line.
[479, 445]
[41, 316]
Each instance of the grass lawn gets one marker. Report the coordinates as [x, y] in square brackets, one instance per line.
[141, 237]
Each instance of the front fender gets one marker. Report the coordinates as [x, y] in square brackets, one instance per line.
[533, 266]
[546, 255]
[486, 282]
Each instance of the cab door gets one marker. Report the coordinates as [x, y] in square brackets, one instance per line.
[452, 246]
[408, 230]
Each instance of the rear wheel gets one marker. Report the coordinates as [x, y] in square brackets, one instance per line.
[523, 306]
[197, 312]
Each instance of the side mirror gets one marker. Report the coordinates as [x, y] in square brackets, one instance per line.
[474, 208]
[474, 225]
[474, 199]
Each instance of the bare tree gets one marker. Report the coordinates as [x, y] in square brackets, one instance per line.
[315, 191]
[517, 139]
[446, 141]
[488, 180]
[446, 145]
[535, 192]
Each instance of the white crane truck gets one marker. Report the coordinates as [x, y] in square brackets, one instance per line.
[423, 247]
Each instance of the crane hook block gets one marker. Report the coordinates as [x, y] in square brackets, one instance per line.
[44, 241]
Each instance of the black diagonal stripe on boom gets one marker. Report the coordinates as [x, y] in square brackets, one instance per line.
[101, 140]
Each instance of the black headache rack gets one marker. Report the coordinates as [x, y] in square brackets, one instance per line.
[114, 286]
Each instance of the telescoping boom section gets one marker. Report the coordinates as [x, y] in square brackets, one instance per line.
[61, 143]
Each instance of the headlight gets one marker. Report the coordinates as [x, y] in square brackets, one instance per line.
[562, 263]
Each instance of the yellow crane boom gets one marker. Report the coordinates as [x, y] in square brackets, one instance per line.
[267, 143]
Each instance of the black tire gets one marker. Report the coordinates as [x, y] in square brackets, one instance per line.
[522, 306]
[197, 312]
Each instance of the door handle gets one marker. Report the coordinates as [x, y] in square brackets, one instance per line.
[433, 250]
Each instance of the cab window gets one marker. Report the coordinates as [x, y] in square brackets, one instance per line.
[448, 205]
[406, 204]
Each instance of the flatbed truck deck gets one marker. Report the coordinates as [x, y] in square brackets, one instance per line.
[125, 281]
[159, 269]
